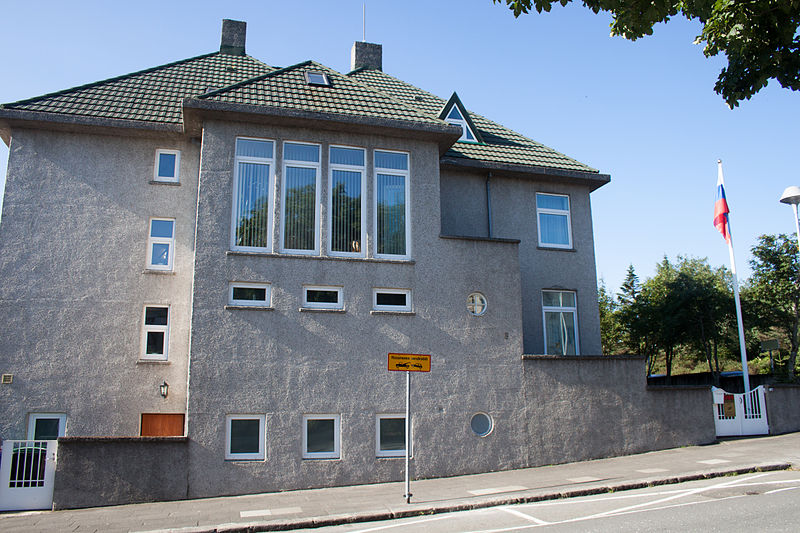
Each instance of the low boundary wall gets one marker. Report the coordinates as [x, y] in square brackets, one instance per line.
[97, 471]
[783, 408]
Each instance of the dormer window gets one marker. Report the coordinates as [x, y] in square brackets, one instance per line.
[455, 113]
[314, 77]
[455, 117]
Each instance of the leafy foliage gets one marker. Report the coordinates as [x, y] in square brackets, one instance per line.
[760, 38]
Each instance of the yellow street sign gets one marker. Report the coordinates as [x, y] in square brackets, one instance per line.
[410, 362]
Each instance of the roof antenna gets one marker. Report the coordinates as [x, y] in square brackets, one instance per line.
[364, 22]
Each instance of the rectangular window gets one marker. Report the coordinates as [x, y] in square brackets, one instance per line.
[392, 209]
[552, 211]
[391, 300]
[346, 210]
[250, 294]
[301, 169]
[155, 333]
[245, 437]
[161, 244]
[46, 426]
[321, 436]
[322, 297]
[390, 436]
[167, 166]
[253, 179]
[560, 323]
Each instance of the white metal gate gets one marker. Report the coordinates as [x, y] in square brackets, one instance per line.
[740, 414]
[27, 472]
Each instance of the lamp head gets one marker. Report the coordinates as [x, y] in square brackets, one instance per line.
[791, 195]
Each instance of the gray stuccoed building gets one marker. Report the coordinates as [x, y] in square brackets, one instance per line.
[225, 251]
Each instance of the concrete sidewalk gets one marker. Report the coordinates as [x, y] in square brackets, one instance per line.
[313, 508]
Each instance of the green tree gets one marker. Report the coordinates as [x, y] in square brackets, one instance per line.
[759, 38]
[611, 332]
[774, 289]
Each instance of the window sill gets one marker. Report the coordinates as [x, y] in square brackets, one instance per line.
[317, 310]
[158, 272]
[153, 362]
[403, 313]
[250, 307]
[159, 182]
[555, 249]
[322, 257]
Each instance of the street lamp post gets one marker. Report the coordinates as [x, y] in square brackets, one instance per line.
[792, 196]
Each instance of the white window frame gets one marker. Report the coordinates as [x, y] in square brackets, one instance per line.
[177, 170]
[267, 302]
[169, 241]
[339, 290]
[562, 309]
[547, 211]
[407, 175]
[401, 309]
[349, 168]
[302, 164]
[33, 417]
[262, 439]
[388, 453]
[270, 193]
[336, 453]
[155, 328]
[464, 126]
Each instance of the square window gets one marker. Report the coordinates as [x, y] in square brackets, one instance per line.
[553, 217]
[161, 244]
[155, 333]
[391, 300]
[560, 316]
[46, 426]
[390, 436]
[321, 436]
[167, 166]
[322, 297]
[245, 437]
[250, 294]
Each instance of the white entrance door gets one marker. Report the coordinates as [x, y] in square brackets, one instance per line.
[27, 472]
[740, 414]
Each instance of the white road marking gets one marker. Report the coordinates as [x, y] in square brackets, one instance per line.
[781, 490]
[404, 524]
[527, 517]
[652, 470]
[714, 461]
[584, 479]
[497, 490]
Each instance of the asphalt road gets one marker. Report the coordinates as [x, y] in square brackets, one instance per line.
[755, 502]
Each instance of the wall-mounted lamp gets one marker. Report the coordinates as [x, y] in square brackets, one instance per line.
[164, 389]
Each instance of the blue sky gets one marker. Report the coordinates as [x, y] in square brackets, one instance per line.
[644, 112]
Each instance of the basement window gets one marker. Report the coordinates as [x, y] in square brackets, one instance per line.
[322, 297]
[314, 77]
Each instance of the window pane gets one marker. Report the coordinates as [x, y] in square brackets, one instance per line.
[560, 331]
[346, 211]
[166, 165]
[256, 294]
[301, 152]
[45, 429]
[481, 424]
[454, 114]
[391, 160]
[549, 201]
[317, 78]
[551, 299]
[391, 298]
[161, 228]
[392, 434]
[554, 229]
[160, 255]
[252, 205]
[468, 134]
[347, 156]
[568, 299]
[320, 436]
[391, 214]
[155, 343]
[301, 201]
[320, 296]
[245, 436]
[156, 316]
[254, 148]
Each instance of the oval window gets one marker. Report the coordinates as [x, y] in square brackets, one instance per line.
[476, 303]
[481, 424]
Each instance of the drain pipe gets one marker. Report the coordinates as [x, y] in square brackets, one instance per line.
[489, 202]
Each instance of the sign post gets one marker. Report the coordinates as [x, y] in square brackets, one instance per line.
[408, 363]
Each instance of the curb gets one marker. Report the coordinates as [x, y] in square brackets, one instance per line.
[375, 516]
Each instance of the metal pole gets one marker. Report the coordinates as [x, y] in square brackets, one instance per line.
[796, 225]
[408, 434]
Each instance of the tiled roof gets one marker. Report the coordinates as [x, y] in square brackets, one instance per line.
[152, 95]
[502, 145]
[288, 88]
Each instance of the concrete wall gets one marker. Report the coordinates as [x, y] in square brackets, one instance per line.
[73, 245]
[92, 472]
[581, 408]
[464, 212]
[783, 408]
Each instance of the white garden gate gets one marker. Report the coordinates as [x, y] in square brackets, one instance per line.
[740, 414]
[27, 472]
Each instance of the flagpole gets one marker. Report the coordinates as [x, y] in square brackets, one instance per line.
[739, 322]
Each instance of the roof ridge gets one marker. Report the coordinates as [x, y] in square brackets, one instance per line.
[112, 79]
[254, 79]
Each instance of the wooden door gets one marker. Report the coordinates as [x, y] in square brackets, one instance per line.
[162, 424]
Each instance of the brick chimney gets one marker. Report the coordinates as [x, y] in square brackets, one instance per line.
[233, 37]
[367, 55]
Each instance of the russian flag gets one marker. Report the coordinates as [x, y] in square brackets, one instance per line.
[721, 208]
